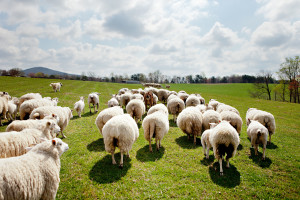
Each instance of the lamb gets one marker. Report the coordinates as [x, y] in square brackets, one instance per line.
[224, 107]
[48, 126]
[79, 106]
[28, 106]
[234, 119]
[158, 107]
[125, 98]
[120, 131]
[113, 101]
[163, 95]
[29, 96]
[3, 106]
[106, 115]
[56, 86]
[14, 143]
[205, 140]
[258, 134]
[136, 109]
[175, 106]
[64, 114]
[225, 140]
[155, 126]
[263, 117]
[34, 175]
[192, 100]
[190, 122]
[93, 99]
[210, 116]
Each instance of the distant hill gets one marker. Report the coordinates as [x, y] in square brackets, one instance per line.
[46, 70]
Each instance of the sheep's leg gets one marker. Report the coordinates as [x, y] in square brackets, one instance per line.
[121, 162]
[174, 118]
[270, 139]
[188, 135]
[264, 151]
[227, 162]
[194, 139]
[79, 113]
[128, 154]
[9, 115]
[157, 144]
[62, 134]
[150, 147]
[256, 149]
[90, 108]
[207, 152]
[221, 168]
[113, 158]
[204, 149]
[97, 107]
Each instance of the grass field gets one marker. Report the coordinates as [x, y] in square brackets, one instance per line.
[179, 169]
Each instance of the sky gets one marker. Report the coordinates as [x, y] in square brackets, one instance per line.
[125, 37]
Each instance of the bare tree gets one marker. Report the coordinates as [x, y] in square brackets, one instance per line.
[262, 87]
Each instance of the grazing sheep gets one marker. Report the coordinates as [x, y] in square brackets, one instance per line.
[122, 91]
[14, 143]
[113, 101]
[34, 175]
[225, 140]
[106, 115]
[172, 96]
[168, 86]
[137, 96]
[120, 131]
[192, 100]
[190, 122]
[204, 108]
[224, 107]
[163, 95]
[201, 99]
[205, 140]
[263, 117]
[141, 91]
[63, 113]
[148, 98]
[29, 96]
[155, 126]
[182, 95]
[28, 106]
[158, 107]
[3, 106]
[175, 106]
[210, 116]
[153, 90]
[155, 99]
[125, 98]
[258, 134]
[79, 106]
[234, 119]
[136, 109]
[13, 106]
[214, 103]
[56, 86]
[93, 99]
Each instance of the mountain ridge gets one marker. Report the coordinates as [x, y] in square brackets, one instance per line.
[46, 70]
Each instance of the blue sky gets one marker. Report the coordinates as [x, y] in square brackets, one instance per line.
[139, 36]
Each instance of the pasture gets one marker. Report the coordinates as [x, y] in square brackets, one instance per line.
[179, 169]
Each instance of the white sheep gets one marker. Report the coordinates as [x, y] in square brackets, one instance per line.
[214, 103]
[34, 175]
[3, 106]
[163, 95]
[93, 99]
[155, 126]
[155, 99]
[158, 107]
[153, 90]
[201, 99]
[234, 119]
[205, 140]
[120, 131]
[79, 106]
[258, 134]
[64, 114]
[223, 107]
[210, 116]
[113, 101]
[190, 122]
[106, 115]
[192, 100]
[136, 108]
[175, 106]
[172, 96]
[137, 96]
[125, 98]
[182, 95]
[28, 106]
[29, 96]
[13, 108]
[263, 117]
[204, 108]
[56, 86]
[225, 140]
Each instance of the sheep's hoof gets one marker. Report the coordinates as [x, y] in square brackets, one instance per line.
[221, 174]
[121, 166]
[157, 149]
[114, 163]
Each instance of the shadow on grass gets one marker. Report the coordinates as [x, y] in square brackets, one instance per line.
[258, 159]
[230, 179]
[208, 161]
[144, 155]
[104, 171]
[188, 144]
[172, 123]
[272, 146]
[240, 147]
[87, 114]
[97, 145]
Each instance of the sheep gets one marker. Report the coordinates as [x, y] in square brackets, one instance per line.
[56, 86]
[158, 107]
[155, 126]
[13, 106]
[204, 108]
[137, 96]
[183, 96]
[125, 98]
[106, 115]
[224, 139]
[201, 99]
[34, 175]
[14, 143]
[28, 106]
[93, 99]
[205, 139]
[134, 91]
[263, 117]
[258, 134]
[3, 106]
[122, 91]
[163, 95]
[155, 99]
[224, 107]
[120, 131]
[168, 86]
[113, 101]
[64, 114]
[210, 116]
[153, 90]
[192, 100]
[190, 122]
[214, 103]
[234, 119]
[136, 109]
[148, 99]
[29, 96]
[48, 126]
[171, 96]
[175, 106]
[79, 106]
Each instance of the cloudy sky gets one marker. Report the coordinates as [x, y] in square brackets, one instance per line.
[177, 37]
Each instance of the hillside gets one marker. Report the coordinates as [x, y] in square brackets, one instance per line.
[46, 70]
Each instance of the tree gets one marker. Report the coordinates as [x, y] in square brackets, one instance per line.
[16, 72]
[262, 89]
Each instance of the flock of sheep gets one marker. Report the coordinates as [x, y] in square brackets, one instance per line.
[30, 152]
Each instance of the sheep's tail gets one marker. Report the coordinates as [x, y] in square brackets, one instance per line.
[258, 136]
[222, 149]
[36, 116]
[178, 107]
[152, 130]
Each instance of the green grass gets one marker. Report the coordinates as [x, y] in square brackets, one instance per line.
[179, 169]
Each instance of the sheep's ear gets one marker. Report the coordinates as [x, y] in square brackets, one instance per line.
[249, 120]
[219, 121]
[48, 123]
[54, 142]
[27, 149]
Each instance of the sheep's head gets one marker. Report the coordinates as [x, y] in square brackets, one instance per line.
[60, 145]
[53, 126]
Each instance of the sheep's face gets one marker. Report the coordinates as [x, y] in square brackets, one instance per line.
[60, 145]
[53, 126]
